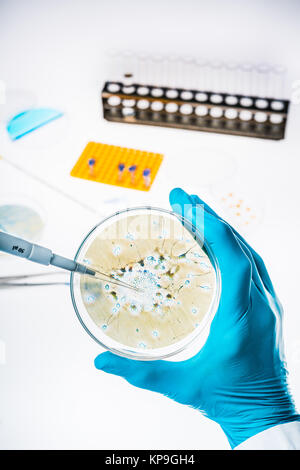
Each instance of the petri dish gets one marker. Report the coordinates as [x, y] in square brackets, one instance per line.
[162, 254]
[21, 216]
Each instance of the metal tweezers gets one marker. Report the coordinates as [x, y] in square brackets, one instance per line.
[20, 280]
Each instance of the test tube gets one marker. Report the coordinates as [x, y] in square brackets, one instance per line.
[147, 177]
[128, 79]
[91, 164]
[113, 87]
[128, 64]
[121, 168]
[278, 77]
[172, 71]
[202, 67]
[246, 76]
[188, 72]
[132, 170]
[216, 69]
[157, 69]
[231, 77]
[171, 108]
[143, 68]
[113, 65]
[262, 79]
[143, 90]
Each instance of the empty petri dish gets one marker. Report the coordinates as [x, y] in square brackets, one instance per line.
[165, 257]
[114, 101]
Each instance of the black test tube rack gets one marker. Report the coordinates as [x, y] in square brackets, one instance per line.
[223, 113]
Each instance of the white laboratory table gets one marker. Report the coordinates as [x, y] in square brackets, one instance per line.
[51, 396]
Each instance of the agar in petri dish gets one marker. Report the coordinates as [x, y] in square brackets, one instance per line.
[21, 220]
[155, 251]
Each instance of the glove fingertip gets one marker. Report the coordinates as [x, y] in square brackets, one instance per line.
[176, 195]
[102, 360]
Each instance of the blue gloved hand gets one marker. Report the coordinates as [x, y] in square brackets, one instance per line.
[238, 378]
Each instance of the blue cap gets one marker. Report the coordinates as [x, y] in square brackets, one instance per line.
[92, 161]
[121, 166]
[146, 172]
[132, 168]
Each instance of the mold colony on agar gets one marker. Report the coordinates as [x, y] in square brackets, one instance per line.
[161, 257]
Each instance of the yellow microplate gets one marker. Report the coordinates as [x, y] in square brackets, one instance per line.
[107, 159]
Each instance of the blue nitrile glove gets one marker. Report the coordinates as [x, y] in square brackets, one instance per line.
[238, 378]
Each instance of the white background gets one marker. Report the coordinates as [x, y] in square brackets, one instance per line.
[52, 54]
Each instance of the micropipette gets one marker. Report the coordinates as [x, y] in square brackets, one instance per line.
[41, 255]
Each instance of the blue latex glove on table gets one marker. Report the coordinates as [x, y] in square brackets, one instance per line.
[238, 378]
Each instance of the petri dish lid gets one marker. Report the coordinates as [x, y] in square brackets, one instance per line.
[162, 253]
